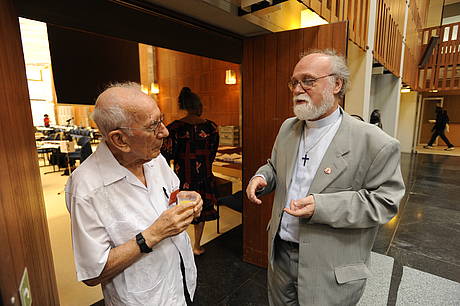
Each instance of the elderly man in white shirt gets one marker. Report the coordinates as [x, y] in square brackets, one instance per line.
[125, 234]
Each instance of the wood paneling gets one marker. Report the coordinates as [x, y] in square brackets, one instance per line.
[205, 77]
[356, 12]
[24, 233]
[416, 20]
[442, 71]
[388, 37]
[268, 62]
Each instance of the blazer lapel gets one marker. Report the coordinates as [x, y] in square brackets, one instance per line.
[333, 162]
[291, 148]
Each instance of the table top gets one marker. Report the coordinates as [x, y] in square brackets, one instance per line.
[42, 128]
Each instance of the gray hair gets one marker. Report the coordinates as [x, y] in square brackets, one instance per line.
[339, 67]
[110, 118]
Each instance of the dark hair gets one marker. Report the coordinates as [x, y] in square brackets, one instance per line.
[375, 115]
[45, 115]
[188, 100]
[376, 118]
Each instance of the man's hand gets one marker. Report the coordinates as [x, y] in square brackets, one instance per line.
[172, 221]
[304, 207]
[255, 184]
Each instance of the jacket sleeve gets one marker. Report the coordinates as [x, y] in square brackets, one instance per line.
[376, 203]
[268, 171]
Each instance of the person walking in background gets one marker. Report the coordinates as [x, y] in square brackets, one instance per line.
[439, 129]
[192, 144]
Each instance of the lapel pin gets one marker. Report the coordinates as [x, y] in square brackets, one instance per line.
[328, 170]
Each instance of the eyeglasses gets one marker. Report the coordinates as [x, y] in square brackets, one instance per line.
[154, 127]
[306, 83]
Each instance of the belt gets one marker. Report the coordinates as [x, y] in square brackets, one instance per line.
[291, 244]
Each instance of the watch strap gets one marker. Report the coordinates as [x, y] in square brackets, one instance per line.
[141, 243]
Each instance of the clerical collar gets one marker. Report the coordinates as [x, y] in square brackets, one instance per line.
[325, 121]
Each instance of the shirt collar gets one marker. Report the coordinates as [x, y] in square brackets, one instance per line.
[110, 169]
[325, 121]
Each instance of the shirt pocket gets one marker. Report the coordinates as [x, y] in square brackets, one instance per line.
[146, 274]
[122, 231]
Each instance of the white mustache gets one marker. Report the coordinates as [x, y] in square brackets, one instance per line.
[302, 97]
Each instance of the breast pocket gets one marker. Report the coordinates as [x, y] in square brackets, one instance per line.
[122, 231]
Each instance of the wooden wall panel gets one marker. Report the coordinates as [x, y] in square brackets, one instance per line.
[24, 235]
[268, 62]
[205, 77]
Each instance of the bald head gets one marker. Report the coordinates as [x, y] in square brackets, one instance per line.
[121, 105]
[320, 64]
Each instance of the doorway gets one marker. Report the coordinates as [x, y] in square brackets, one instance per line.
[163, 73]
[428, 118]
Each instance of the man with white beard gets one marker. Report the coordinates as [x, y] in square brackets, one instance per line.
[336, 179]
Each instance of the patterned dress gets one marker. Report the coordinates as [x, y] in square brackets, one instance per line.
[193, 148]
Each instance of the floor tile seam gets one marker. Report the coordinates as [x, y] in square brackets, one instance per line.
[398, 222]
[233, 291]
[252, 277]
[442, 223]
[426, 256]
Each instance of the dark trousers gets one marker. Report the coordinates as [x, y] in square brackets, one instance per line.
[282, 279]
[187, 295]
[437, 133]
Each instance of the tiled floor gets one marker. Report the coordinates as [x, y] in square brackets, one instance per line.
[438, 150]
[425, 236]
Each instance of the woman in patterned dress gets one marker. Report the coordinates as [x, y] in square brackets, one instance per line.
[192, 144]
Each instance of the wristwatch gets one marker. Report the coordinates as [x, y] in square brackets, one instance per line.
[141, 243]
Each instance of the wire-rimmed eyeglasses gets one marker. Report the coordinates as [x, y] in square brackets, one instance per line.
[154, 127]
[306, 83]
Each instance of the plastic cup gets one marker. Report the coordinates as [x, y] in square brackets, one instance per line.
[185, 198]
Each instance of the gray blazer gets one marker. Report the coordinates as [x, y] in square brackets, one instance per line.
[362, 191]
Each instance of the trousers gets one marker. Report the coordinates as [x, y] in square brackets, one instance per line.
[282, 278]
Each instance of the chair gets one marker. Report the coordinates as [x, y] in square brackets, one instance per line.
[84, 152]
[223, 189]
[56, 136]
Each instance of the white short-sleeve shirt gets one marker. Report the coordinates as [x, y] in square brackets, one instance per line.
[109, 206]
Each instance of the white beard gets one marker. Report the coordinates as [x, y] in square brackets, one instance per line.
[310, 111]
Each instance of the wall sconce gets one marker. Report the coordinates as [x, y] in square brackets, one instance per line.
[154, 88]
[230, 77]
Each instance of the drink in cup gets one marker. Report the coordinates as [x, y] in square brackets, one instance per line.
[185, 198]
